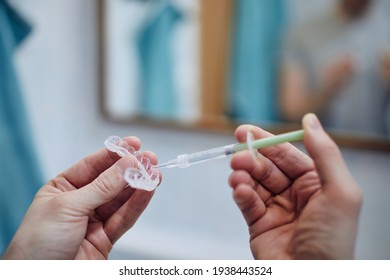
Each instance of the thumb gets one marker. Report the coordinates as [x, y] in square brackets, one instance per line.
[331, 168]
[106, 186]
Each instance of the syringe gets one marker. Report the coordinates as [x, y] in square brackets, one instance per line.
[186, 160]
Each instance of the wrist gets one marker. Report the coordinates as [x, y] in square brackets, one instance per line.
[14, 252]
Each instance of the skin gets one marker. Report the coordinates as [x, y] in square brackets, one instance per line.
[297, 206]
[83, 211]
[385, 60]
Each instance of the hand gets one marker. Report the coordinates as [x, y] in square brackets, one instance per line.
[336, 75]
[82, 212]
[386, 68]
[297, 207]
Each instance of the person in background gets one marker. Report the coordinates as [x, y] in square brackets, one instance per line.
[297, 206]
[83, 211]
[337, 66]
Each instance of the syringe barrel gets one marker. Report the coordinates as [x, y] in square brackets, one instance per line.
[186, 160]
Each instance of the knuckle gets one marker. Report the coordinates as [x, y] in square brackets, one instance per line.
[104, 186]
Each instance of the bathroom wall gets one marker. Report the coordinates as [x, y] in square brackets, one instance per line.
[192, 215]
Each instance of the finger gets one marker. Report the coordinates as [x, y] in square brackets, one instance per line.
[243, 177]
[106, 210]
[260, 216]
[109, 208]
[333, 172]
[286, 157]
[126, 216]
[89, 168]
[147, 158]
[151, 156]
[106, 186]
[250, 204]
[263, 170]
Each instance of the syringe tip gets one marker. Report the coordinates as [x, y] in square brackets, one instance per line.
[161, 165]
[181, 161]
[168, 164]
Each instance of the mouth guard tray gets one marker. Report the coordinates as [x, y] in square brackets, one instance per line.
[143, 176]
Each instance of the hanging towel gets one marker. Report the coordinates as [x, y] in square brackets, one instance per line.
[20, 175]
[254, 58]
[158, 98]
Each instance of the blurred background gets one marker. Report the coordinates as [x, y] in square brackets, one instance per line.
[74, 72]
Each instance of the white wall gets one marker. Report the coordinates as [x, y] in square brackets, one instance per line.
[192, 215]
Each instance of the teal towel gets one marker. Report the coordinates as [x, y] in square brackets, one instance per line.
[158, 93]
[20, 175]
[254, 59]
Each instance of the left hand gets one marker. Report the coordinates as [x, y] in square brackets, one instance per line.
[82, 212]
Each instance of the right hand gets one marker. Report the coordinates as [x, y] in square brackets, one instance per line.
[296, 206]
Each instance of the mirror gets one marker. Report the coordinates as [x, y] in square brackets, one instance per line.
[212, 65]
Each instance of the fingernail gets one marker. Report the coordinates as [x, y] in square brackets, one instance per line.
[313, 122]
